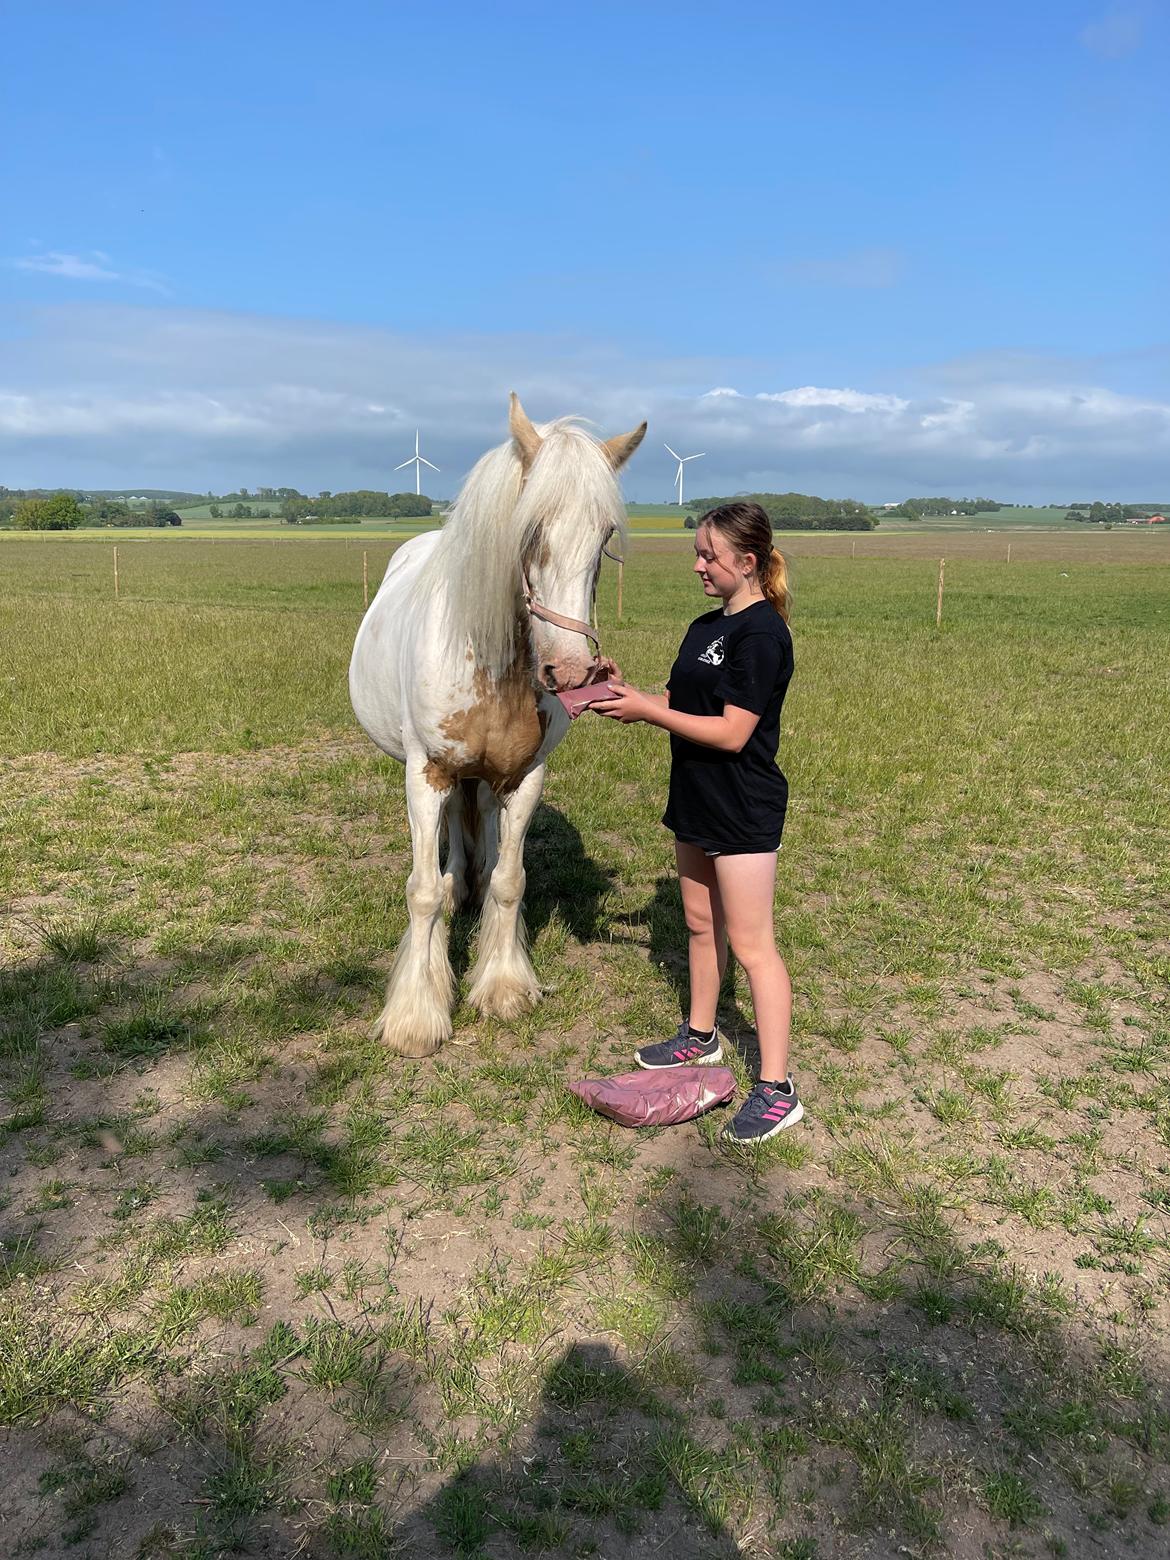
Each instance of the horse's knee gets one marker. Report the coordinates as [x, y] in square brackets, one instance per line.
[508, 886]
[424, 895]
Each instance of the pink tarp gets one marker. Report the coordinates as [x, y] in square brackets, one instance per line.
[657, 1099]
[577, 700]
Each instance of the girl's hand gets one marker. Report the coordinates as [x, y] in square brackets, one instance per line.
[607, 670]
[629, 704]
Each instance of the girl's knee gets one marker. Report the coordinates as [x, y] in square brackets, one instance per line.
[756, 955]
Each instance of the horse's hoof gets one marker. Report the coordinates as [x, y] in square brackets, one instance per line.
[407, 1036]
[504, 1000]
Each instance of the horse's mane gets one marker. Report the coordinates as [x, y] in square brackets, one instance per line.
[571, 500]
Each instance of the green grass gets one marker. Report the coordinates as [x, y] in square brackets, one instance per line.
[376, 1306]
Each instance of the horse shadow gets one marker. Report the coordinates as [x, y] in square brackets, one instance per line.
[562, 880]
[597, 1471]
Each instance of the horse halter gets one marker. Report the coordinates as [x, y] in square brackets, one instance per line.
[557, 619]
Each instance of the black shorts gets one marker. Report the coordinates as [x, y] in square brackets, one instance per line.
[728, 850]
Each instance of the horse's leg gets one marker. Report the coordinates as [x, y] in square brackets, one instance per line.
[417, 1016]
[483, 830]
[503, 983]
[455, 864]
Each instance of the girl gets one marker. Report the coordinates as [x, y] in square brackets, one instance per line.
[727, 799]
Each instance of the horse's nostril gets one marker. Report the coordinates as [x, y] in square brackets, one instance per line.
[550, 677]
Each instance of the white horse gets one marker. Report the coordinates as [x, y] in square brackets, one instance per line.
[472, 631]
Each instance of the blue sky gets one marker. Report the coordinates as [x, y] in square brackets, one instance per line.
[925, 246]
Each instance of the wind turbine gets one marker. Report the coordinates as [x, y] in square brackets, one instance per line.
[418, 462]
[682, 460]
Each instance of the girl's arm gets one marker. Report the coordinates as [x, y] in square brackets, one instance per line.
[728, 731]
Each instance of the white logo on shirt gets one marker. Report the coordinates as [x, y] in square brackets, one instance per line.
[713, 654]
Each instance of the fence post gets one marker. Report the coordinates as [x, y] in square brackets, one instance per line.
[1009, 556]
[621, 581]
[942, 563]
[116, 590]
[853, 549]
[365, 579]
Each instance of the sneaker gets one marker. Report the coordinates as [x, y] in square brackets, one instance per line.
[683, 1051]
[765, 1112]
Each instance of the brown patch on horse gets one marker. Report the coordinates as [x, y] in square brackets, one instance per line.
[438, 774]
[543, 555]
[498, 735]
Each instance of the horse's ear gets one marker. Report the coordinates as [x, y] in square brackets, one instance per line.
[526, 437]
[622, 446]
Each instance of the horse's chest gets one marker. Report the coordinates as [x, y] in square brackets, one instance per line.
[495, 738]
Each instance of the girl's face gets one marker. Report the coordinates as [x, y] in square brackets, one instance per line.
[716, 563]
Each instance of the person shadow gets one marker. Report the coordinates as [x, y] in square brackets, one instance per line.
[604, 1469]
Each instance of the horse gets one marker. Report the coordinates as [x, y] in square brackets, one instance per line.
[473, 631]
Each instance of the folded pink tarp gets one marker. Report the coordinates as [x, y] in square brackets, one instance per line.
[657, 1099]
[577, 700]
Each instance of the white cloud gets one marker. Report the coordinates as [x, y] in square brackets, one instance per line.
[102, 396]
[1118, 33]
[843, 400]
[73, 267]
[96, 267]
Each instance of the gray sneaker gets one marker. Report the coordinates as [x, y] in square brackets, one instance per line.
[683, 1051]
[763, 1114]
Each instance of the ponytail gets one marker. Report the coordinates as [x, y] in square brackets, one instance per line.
[774, 578]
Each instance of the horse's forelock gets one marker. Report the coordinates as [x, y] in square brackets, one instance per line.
[570, 499]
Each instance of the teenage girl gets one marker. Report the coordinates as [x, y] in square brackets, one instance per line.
[728, 799]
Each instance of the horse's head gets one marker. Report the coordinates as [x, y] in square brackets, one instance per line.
[569, 507]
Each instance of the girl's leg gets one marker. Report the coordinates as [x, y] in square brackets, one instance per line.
[707, 947]
[746, 886]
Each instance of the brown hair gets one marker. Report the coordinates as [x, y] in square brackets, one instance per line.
[748, 529]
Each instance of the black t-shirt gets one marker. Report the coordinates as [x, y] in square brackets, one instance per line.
[720, 800]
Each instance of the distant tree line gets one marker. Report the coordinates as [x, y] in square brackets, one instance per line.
[328, 507]
[57, 512]
[66, 510]
[41, 509]
[262, 494]
[108, 511]
[916, 508]
[794, 511]
[1110, 514]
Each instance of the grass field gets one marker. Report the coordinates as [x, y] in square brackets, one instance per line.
[265, 1291]
[1000, 520]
